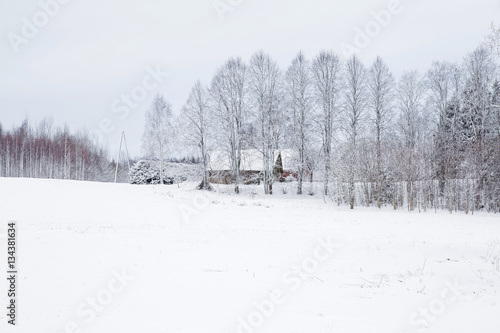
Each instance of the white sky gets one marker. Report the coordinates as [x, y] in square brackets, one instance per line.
[91, 52]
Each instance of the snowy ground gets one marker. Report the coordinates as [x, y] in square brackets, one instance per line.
[201, 265]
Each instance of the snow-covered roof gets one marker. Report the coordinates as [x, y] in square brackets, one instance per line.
[251, 160]
[289, 159]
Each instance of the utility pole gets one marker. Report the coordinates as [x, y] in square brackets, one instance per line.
[123, 140]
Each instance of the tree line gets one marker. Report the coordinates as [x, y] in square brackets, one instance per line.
[42, 150]
[423, 141]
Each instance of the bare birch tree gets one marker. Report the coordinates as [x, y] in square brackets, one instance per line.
[440, 83]
[197, 117]
[412, 126]
[229, 90]
[299, 96]
[327, 80]
[265, 89]
[380, 100]
[354, 114]
[158, 131]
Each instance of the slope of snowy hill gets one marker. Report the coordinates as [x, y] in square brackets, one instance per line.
[102, 258]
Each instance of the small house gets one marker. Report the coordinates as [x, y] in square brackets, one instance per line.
[251, 166]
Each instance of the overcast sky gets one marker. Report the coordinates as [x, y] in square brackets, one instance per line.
[77, 67]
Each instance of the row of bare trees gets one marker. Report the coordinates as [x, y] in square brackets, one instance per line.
[421, 141]
[46, 151]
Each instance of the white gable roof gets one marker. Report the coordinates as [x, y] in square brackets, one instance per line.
[289, 158]
[251, 160]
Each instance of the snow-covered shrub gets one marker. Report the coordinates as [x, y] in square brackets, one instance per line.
[148, 172]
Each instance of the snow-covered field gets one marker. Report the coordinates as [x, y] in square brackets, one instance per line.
[122, 258]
